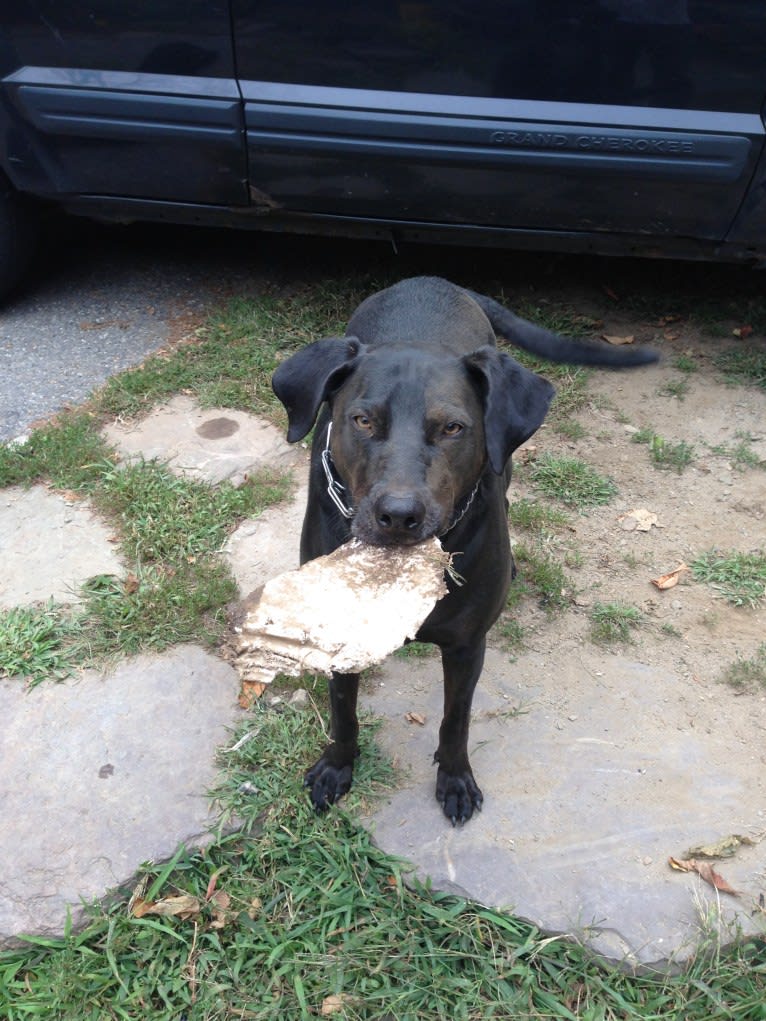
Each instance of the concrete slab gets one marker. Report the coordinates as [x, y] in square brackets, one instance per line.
[49, 545]
[90, 790]
[587, 793]
[213, 445]
[264, 547]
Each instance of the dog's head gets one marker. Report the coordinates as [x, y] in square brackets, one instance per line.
[412, 430]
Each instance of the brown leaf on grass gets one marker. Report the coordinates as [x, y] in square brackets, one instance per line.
[670, 580]
[705, 871]
[415, 718]
[618, 341]
[131, 584]
[183, 906]
[743, 332]
[249, 693]
[220, 902]
[724, 848]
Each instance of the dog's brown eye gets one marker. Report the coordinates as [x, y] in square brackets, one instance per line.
[452, 429]
[362, 422]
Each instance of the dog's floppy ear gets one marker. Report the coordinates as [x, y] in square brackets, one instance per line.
[515, 402]
[304, 381]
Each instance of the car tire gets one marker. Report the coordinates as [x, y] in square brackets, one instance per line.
[18, 235]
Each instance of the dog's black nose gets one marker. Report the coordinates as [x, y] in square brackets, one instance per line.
[399, 514]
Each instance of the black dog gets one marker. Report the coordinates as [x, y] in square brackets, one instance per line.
[422, 415]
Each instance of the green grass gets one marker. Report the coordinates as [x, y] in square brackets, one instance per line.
[307, 908]
[532, 516]
[34, 643]
[664, 454]
[739, 577]
[69, 453]
[163, 516]
[746, 365]
[685, 363]
[747, 675]
[614, 622]
[741, 454]
[170, 532]
[541, 578]
[571, 481]
[677, 388]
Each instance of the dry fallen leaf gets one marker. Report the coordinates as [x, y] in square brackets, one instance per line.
[415, 718]
[639, 520]
[743, 332]
[705, 871]
[251, 690]
[182, 906]
[333, 1004]
[618, 341]
[131, 584]
[724, 848]
[670, 580]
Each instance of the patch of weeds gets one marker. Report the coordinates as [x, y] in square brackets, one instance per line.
[739, 577]
[34, 643]
[573, 558]
[746, 365]
[570, 429]
[741, 454]
[541, 578]
[677, 388]
[164, 516]
[160, 606]
[664, 454]
[685, 363]
[632, 561]
[747, 675]
[669, 630]
[614, 622]
[416, 650]
[571, 481]
[70, 453]
[535, 517]
[560, 318]
[510, 634]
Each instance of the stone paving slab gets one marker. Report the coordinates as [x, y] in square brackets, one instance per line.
[101, 773]
[583, 803]
[214, 444]
[49, 545]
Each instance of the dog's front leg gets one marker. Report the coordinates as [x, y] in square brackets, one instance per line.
[330, 776]
[456, 790]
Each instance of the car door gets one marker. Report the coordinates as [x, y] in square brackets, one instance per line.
[638, 116]
[122, 100]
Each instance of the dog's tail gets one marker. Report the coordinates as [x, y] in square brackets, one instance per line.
[555, 348]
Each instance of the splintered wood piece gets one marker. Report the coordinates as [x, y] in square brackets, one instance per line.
[342, 612]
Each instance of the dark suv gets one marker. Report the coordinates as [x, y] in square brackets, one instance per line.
[612, 126]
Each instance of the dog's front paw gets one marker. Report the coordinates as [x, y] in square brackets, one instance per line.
[458, 794]
[328, 780]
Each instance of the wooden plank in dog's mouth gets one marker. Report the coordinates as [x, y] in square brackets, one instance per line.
[343, 612]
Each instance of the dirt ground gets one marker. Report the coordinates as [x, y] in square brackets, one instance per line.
[713, 503]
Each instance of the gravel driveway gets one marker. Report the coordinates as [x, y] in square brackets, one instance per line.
[100, 300]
